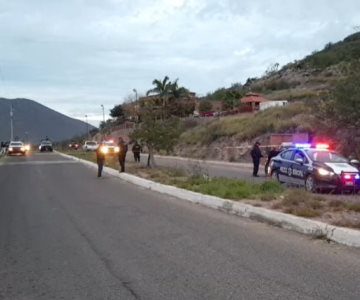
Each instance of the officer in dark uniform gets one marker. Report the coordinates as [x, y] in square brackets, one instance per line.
[136, 149]
[256, 155]
[122, 154]
[272, 153]
[100, 158]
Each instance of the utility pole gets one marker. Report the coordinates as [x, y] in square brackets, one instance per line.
[136, 106]
[11, 123]
[136, 94]
[87, 127]
[103, 112]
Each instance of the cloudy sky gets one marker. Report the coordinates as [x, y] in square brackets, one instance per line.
[74, 55]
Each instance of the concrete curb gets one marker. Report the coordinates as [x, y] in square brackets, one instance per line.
[316, 229]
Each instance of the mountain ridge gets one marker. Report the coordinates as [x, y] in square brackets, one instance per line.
[34, 121]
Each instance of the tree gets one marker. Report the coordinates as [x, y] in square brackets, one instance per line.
[162, 88]
[170, 95]
[117, 112]
[272, 69]
[205, 105]
[339, 113]
[156, 134]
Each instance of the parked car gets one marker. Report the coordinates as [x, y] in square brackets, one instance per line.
[315, 168]
[90, 146]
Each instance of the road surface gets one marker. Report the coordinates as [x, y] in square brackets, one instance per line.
[65, 234]
[218, 169]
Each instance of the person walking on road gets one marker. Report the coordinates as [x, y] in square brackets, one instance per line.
[122, 154]
[136, 149]
[256, 155]
[100, 158]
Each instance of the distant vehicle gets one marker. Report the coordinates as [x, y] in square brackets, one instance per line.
[74, 146]
[110, 148]
[16, 148]
[207, 114]
[315, 168]
[90, 146]
[46, 146]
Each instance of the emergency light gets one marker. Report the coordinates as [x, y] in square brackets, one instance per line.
[303, 145]
[322, 146]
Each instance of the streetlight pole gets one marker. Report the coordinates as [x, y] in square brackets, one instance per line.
[103, 112]
[136, 94]
[11, 123]
[136, 106]
[87, 127]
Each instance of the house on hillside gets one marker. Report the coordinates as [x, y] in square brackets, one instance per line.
[275, 103]
[252, 101]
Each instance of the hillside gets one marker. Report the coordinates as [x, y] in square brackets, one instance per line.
[305, 79]
[34, 121]
[303, 83]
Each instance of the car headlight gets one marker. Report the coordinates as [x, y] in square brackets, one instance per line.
[324, 172]
[104, 149]
[10, 148]
[117, 149]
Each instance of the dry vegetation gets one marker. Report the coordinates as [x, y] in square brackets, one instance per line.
[246, 127]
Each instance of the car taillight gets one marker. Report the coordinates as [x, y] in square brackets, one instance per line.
[349, 178]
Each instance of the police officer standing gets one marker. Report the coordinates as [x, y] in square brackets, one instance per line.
[136, 149]
[122, 154]
[272, 153]
[256, 155]
[100, 158]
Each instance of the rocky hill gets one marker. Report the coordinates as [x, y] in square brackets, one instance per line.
[302, 83]
[305, 79]
[34, 121]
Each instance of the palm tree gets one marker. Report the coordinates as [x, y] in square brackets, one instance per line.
[161, 89]
[167, 91]
[176, 91]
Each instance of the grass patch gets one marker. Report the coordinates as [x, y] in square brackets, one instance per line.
[232, 188]
[302, 204]
[354, 207]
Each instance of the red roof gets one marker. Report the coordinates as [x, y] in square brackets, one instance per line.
[253, 98]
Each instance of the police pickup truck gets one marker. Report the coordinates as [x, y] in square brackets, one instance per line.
[316, 168]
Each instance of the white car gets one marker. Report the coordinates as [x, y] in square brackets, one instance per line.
[90, 146]
[16, 147]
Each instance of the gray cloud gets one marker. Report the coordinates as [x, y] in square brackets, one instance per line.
[74, 55]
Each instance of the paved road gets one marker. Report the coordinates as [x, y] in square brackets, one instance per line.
[65, 234]
[217, 169]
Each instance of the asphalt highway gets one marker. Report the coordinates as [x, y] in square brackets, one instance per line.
[66, 234]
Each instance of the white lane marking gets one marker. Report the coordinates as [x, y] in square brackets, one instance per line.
[40, 162]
